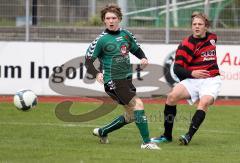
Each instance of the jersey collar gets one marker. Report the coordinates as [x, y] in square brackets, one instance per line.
[113, 32]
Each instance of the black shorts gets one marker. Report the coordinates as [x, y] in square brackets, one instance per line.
[121, 91]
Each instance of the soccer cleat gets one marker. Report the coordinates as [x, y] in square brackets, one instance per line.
[150, 145]
[184, 139]
[103, 139]
[161, 139]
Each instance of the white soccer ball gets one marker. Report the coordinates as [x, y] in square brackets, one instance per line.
[25, 99]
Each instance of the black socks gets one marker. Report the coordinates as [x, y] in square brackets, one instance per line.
[169, 116]
[197, 120]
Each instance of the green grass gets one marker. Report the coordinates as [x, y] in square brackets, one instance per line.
[38, 136]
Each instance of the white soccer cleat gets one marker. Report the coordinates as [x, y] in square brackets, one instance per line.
[150, 145]
[103, 139]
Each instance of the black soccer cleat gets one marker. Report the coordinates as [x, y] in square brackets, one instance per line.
[184, 139]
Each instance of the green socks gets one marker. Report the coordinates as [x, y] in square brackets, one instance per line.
[142, 124]
[114, 125]
[140, 120]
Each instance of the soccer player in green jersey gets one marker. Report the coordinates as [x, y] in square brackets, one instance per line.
[112, 48]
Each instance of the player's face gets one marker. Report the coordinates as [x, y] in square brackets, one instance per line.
[111, 21]
[199, 28]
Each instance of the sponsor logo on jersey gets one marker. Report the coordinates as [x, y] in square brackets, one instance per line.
[209, 55]
[119, 38]
[209, 59]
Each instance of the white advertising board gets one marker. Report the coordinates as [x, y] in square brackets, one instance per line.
[37, 66]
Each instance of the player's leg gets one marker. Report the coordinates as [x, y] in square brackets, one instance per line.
[135, 105]
[129, 114]
[208, 93]
[125, 93]
[197, 119]
[115, 124]
[118, 122]
[179, 92]
[141, 122]
[140, 118]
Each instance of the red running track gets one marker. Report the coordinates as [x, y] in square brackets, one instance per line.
[229, 102]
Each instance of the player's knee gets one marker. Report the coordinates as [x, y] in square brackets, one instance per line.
[205, 102]
[139, 103]
[136, 104]
[172, 99]
[129, 117]
[204, 106]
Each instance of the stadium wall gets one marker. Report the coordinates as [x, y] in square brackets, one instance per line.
[58, 69]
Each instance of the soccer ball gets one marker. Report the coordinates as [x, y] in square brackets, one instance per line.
[25, 99]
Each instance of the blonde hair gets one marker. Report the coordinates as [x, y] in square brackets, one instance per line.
[111, 8]
[201, 16]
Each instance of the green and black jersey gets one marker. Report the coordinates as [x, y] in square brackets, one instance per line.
[112, 49]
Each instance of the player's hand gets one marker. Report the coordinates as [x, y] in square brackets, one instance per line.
[99, 78]
[200, 74]
[144, 63]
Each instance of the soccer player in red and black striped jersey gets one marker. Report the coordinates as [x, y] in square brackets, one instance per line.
[196, 67]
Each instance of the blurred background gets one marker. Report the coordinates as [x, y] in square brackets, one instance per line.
[153, 21]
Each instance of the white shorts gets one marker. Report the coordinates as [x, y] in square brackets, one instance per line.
[200, 87]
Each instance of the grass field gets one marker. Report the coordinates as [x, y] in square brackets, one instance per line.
[39, 136]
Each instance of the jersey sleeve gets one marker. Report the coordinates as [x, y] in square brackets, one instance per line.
[181, 72]
[93, 52]
[94, 49]
[184, 54]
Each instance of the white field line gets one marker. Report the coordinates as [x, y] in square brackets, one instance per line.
[85, 125]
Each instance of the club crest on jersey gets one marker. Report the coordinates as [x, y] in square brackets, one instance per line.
[124, 50]
[213, 42]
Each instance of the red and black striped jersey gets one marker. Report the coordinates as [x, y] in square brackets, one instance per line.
[198, 54]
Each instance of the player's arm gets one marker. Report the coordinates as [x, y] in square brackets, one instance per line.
[184, 56]
[92, 54]
[139, 53]
[92, 70]
[136, 49]
[90, 66]
[182, 59]
[181, 72]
